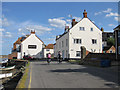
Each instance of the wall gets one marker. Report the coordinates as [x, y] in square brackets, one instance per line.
[87, 35]
[110, 56]
[19, 55]
[65, 49]
[55, 54]
[14, 54]
[32, 40]
[46, 52]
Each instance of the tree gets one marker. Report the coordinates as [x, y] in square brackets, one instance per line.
[111, 41]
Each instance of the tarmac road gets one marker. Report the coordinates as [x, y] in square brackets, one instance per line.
[68, 75]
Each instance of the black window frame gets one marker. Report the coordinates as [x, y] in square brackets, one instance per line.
[94, 41]
[32, 46]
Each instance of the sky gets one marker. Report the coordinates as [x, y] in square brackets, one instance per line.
[48, 19]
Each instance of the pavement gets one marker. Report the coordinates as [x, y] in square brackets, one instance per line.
[66, 75]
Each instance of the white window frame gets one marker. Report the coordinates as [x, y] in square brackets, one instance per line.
[77, 53]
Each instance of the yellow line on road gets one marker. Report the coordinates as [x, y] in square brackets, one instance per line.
[30, 77]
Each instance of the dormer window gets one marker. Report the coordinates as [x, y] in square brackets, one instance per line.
[82, 28]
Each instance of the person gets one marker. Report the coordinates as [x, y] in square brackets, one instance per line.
[59, 57]
[49, 58]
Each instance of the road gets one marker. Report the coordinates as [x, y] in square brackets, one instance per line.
[68, 75]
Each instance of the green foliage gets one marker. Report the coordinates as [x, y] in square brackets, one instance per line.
[111, 41]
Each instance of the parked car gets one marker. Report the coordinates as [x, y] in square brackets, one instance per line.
[27, 57]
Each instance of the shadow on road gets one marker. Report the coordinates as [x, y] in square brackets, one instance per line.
[55, 63]
[103, 73]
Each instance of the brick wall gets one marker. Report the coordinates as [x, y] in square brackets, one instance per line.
[110, 56]
[14, 54]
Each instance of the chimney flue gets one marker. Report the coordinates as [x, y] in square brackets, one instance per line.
[85, 14]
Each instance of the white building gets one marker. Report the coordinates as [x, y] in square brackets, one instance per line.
[48, 49]
[83, 33]
[28, 45]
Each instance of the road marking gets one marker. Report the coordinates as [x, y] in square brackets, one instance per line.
[30, 77]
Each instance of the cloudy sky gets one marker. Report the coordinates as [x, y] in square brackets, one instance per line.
[50, 18]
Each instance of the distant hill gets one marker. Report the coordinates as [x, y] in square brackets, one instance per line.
[3, 56]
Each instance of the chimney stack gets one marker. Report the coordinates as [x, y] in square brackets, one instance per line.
[102, 29]
[66, 28]
[32, 32]
[85, 14]
[74, 22]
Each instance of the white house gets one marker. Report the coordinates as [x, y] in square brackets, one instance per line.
[83, 33]
[28, 45]
[48, 49]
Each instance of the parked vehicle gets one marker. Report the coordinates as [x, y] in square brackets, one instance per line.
[27, 57]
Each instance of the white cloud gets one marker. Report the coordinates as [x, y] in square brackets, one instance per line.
[57, 22]
[70, 15]
[38, 28]
[117, 19]
[104, 11]
[68, 20]
[49, 39]
[8, 34]
[77, 18]
[1, 34]
[108, 10]
[112, 14]
[19, 29]
[97, 13]
[4, 21]
[23, 34]
[2, 29]
[27, 26]
[111, 25]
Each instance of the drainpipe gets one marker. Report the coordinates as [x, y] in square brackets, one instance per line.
[116, 44]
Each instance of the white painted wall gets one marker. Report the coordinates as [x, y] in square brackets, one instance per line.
[86, 37]
[55, 54]
[19, 55]
[32, 40]
[46, 52]
[63, 49]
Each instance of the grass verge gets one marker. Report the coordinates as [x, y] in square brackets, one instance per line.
[74, 61]
[21, 84]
